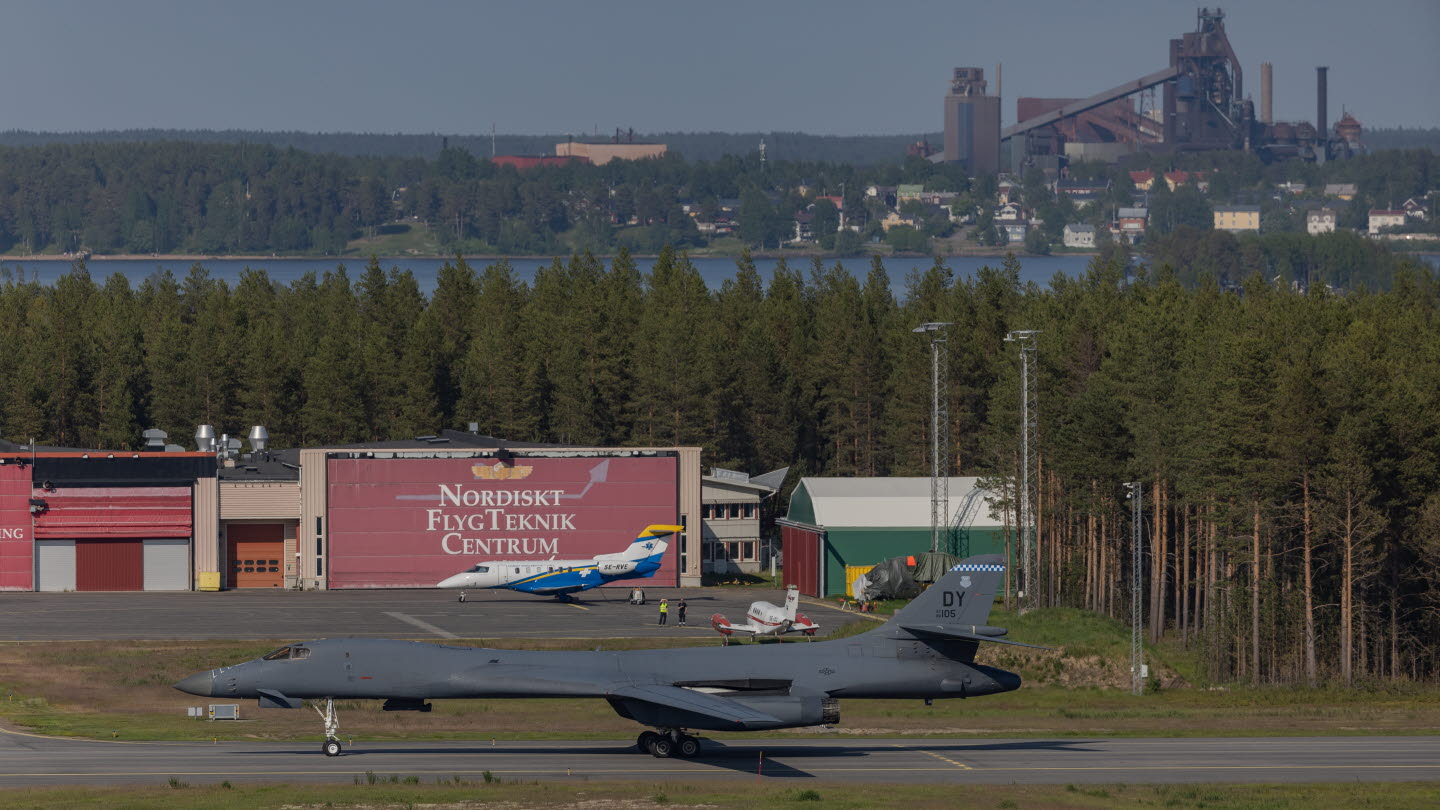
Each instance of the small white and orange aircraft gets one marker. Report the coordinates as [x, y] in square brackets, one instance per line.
[766, 619]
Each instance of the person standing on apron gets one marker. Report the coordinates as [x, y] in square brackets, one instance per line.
[664, 610]
[681, 607]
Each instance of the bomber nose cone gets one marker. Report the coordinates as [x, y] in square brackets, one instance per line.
[201, 683]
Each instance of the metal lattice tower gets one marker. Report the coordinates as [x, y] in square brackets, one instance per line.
[939, 433]
[1029, 469]
[1137, 682]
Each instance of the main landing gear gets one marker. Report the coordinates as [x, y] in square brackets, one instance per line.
[672, 742]
[331, 746]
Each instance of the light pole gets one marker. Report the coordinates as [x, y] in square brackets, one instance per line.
[939, 432]
[1029, 476]
[1137, 674]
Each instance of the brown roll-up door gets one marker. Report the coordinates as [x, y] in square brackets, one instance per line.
[109, 565]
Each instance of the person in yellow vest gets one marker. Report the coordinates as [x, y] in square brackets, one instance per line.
[664, 610]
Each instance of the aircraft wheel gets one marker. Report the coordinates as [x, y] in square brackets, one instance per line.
[661, 747]
[462, 597]
[689, 747]
[644, 742]
[331, 748]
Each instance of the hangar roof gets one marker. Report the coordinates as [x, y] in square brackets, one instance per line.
[445, 438]
[888, 502]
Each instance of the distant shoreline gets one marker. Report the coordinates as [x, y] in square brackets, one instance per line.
[351, 259]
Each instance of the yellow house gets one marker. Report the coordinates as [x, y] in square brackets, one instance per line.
[1237, 218]
[893, 219]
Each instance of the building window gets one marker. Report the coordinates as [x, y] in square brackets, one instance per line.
[749, 510]
[706, 513]
[734, 511]
[736, 550]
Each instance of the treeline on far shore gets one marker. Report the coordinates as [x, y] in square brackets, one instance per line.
[1288, 440]
[248, 199]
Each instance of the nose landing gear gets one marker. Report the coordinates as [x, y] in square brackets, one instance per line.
[331, 747]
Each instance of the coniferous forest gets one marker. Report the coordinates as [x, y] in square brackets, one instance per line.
[1289, 443]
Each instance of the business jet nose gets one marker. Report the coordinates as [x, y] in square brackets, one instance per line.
[457, 581]
[201, 683]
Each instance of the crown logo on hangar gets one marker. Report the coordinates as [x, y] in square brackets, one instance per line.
[499, 471]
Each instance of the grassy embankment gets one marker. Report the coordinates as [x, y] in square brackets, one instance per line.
[455, 794]
[122, 689]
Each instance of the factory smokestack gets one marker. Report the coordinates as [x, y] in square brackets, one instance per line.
[1322, 97]
[1267, 89]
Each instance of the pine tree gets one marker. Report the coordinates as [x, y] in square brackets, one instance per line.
[117, 349]
[672, 377]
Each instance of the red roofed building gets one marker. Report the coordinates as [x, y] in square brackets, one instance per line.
[1381, 218]
[1179, 178]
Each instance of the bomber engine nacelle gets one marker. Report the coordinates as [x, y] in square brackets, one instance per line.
[796, 710]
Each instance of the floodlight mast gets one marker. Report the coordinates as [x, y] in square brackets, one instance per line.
[1029, 469]
[939, 431]
[1136, 492]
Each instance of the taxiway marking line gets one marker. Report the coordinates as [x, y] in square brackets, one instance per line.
[714, 771]
[572, 604]
[12, 732]
[421, 623]
[962, 766]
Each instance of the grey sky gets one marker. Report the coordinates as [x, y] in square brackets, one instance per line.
[556, 66]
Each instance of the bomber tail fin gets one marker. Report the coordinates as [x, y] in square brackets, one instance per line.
[957, 606]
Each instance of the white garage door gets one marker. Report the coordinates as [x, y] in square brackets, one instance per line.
[167, 564]
[55, 564]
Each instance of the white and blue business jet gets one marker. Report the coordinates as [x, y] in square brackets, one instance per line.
[560, 578]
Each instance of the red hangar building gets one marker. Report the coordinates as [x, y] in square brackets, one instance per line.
[399, 514]
[74, 520]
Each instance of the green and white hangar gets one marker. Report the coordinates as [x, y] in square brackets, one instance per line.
[838, 528]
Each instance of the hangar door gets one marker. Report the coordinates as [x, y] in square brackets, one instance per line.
[55, 562]
[802, 559]
[256, 555]
[167, 564]
[119, 538]
[109, 565]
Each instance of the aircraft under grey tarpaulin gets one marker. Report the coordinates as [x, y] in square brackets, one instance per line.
[560, 578]
[926, 651]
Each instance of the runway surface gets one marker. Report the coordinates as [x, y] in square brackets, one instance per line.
[31, 760]
[425, 614]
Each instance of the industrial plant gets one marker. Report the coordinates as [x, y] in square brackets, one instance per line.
[1201, 105]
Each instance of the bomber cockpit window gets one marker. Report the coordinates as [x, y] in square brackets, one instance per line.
[285, 653]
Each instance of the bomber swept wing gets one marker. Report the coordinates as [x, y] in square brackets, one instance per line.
[688, 700]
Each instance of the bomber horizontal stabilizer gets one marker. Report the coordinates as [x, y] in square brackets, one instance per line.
[942, 631]
[688, 700]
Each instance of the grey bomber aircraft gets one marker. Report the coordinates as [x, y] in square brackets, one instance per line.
[926, 651]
